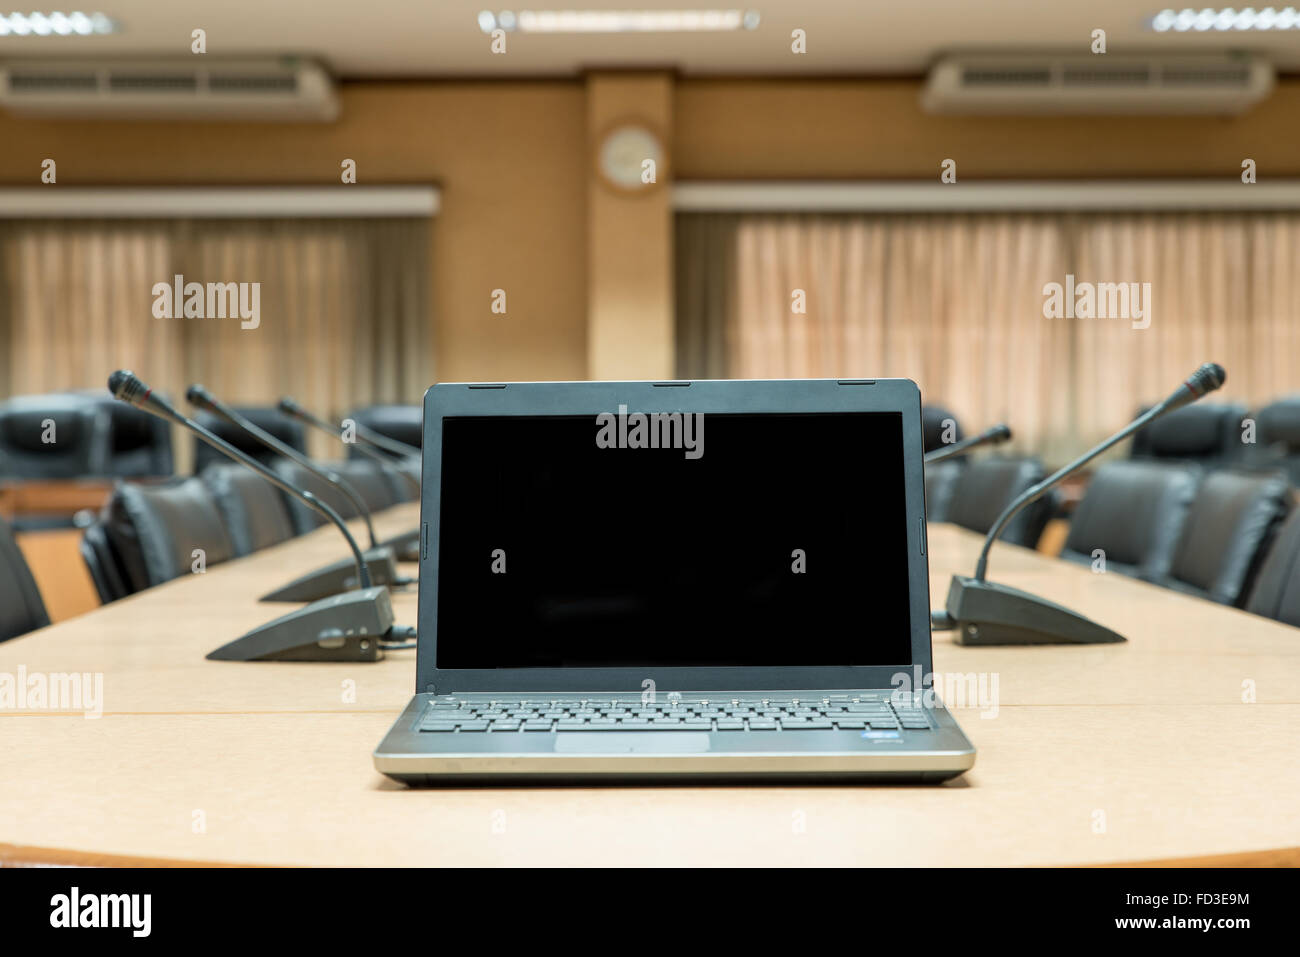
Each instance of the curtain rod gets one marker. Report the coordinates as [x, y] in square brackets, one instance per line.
[1228, 193]
[217, 202]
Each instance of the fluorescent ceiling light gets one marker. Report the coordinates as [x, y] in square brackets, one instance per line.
[1190, 19]
[55, 24]
[618, 21]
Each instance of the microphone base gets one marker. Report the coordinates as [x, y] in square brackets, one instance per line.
[344, 627]
[338, 577]
[406, 545]
[986, 613]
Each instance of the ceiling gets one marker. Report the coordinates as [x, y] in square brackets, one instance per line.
[439, 38]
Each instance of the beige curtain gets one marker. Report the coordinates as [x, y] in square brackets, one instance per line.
[956, 302]
[344, 309]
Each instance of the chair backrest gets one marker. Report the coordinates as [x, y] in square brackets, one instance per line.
[941, 480]
[933, 423]
[58, 436]
[1276, 593]
[21, 608]
[155, 529]
[1277, 437]
[104, 563]
[1134, 512]
[252, 508]
[268, 418]
[139, 444]
[401, 422]
[403, 490]
[370, 482]
[987, 486]
[302, 517]
[1206, 433]
[1229, 527]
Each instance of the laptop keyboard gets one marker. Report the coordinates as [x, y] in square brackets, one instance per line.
[548, 713]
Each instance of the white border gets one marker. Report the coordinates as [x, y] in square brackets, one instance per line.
[912, 196]
[217, 202]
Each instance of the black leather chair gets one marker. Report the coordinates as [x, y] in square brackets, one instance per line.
[404, 423]
[1276, 593]
[139, 444]
[21, 608]
[988, 485]
[1135, 513]
[370, 482]
[1206, 433]
[252, 508]
[104, 563]
[403, 490]
[59, 436]
[303, 518]
[287, 430]
[1277, 438]
[941, 480]
[151, 532]
[1231, 523]
[933, 418]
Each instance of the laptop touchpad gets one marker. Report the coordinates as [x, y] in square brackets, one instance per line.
[632, 742]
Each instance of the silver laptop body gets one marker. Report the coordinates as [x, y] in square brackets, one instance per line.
[630, 582]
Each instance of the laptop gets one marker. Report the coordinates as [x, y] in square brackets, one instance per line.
[632, 582]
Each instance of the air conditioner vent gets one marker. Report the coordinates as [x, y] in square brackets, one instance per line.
[1086, 76]
[284, 89]
[1006, 76]
[35, 82]
[1237, 77]
[252, 83]
[159, 82]
[1008, 84]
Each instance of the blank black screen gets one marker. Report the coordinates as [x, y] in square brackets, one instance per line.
[555, 552]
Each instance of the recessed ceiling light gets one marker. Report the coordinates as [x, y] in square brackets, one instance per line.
[1225, 19]
[618, 21]
[55, 24]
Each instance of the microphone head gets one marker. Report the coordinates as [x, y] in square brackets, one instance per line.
[1000, 432]
[197, 395]
[1207, 378]
[289, 407]
[124, 385]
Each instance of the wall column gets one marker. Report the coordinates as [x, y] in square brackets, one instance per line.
[629, 236]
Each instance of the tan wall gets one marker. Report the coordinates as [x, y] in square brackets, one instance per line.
[521, 209]
[777, 129]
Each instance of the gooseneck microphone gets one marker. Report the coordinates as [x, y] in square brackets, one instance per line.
[994, 436]
[377, 439]
[203, 399]
[375, 455]
[345, 627]
[1204, 380]
[985, 613]
[407, 544]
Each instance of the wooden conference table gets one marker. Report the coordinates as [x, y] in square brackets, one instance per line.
[1149, 751]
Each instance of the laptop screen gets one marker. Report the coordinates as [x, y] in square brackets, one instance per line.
[629, 540]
